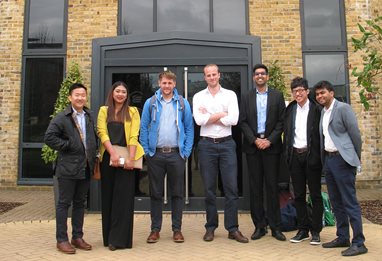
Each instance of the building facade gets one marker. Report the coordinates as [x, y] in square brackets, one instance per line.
[134, 40]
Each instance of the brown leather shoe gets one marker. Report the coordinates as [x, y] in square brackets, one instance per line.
[153, 237]
[209, 235]
[81, 244]
[65, 247]
[238, 236]
[178, 237]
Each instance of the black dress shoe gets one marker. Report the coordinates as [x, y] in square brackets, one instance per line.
[336, 243]
[259, 233]
[209, 235]
[238, 236]
[354, 250]
[278, 235]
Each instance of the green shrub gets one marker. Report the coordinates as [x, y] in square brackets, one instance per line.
[276, 77]
[370, 45]
[73, 76]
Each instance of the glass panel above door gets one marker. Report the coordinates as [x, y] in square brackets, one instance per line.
[183, 15]
[229, 17]
[218, 16]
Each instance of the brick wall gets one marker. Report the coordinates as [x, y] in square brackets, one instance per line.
[89, 19]
[11, 33]
[278, 25]
[277, 22]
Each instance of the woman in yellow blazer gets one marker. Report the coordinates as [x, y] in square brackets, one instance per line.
[118, 124]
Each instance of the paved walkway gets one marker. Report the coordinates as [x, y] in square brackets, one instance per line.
[32, 237]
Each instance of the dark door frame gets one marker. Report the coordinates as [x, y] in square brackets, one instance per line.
[168, 49]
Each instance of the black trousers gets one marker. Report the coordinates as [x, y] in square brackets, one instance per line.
[301, 176]
[71, 191]
[118, 190]
[263, 169]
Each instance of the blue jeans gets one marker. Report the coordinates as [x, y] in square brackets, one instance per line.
[340, 180]
[158, 165]
[215, 158]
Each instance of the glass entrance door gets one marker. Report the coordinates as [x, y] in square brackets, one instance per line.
[142, 83]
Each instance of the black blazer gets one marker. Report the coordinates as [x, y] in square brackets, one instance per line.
[273, 124]
[312, 134]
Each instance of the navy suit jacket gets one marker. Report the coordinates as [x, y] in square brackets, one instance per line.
[343, 130]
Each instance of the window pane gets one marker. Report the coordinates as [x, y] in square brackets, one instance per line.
[137, 16]
[322, 23]
[330, 67]
[33, 166]
[183, 15]
[42, 82]
[46, 24]
[229, 16]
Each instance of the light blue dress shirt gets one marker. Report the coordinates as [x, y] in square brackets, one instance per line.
[261, 104]
[167, 132]
[82, 122]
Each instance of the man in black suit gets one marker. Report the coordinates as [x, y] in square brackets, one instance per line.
[302, 154]
[261, 121]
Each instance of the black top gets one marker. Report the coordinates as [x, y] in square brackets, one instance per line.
[117, 133]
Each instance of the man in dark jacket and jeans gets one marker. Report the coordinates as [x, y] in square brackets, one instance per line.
[72, 134]
[302, 153]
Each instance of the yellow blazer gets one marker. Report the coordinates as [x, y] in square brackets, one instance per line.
[131, 130]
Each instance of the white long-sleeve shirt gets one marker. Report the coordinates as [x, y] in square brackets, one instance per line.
[224, 101]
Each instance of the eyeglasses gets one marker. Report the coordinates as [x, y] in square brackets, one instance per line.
[260, 73]
[296, 91]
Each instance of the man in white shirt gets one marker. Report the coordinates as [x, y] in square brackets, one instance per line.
[341, 146]
[302, 154]
[216, 110]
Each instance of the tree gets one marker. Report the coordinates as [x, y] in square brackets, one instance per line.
[370, 44]
[73, 76]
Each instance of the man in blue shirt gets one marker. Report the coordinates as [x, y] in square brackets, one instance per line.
[261, 121]
[166, 135]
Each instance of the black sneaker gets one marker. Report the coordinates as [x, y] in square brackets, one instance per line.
[315, 238]
[301, 236]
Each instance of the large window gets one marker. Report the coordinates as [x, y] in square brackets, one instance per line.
[324, 44]
[43, 76]
[43, 71]
[46, 20]
[145, 16]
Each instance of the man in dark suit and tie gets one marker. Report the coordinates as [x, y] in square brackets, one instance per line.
[261, 121]
[341, 155]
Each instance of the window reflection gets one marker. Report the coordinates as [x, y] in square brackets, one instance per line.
[322, 23]
[229, 16]
[46, 24]
[329, 67]
[137, 16]
[183, 15]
